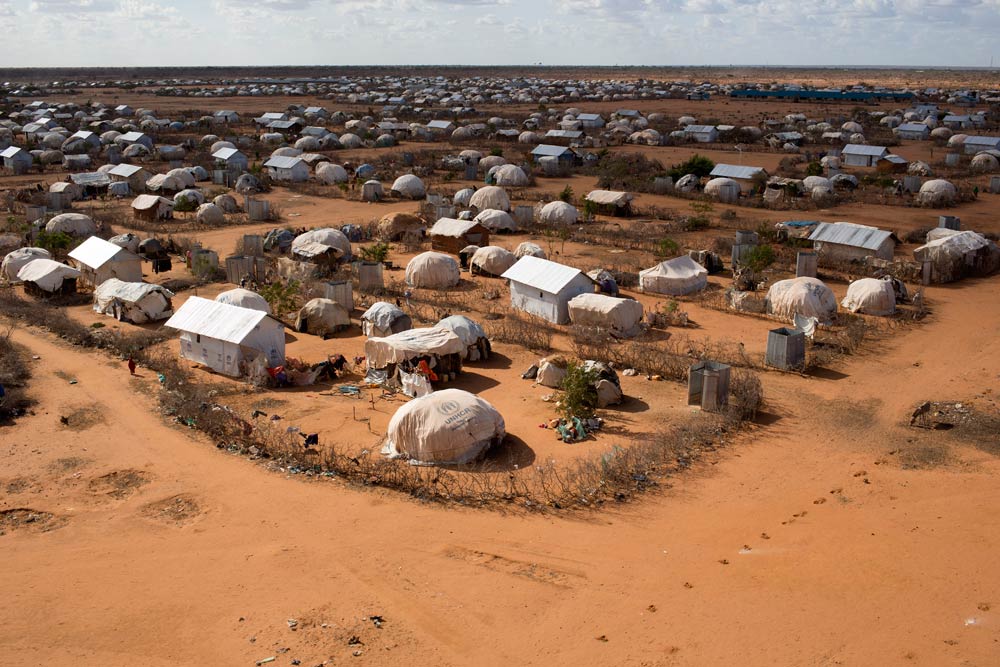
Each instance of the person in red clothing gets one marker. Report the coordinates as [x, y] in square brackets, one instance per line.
[131, 366]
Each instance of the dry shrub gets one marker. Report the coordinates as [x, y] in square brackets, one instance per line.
[516, 330]
[14, 375]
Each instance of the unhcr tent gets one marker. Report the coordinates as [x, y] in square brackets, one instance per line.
[492, 260]
[46, 275]
[490, 196]
[807, 297]
[244, 298]
[507, 174]
[447, 427]
[322, 317]
[496, 221]
[620, 316]
[477, 345]
[134, 302]
[331, 173]
[432, 270]
[16, 259]
[674, 277]
[384, 319]
[870, 296]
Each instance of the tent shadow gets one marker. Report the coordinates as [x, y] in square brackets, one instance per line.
[630, 405]
[496, 360]
[511, 454]
[827, 374]
[472, 382]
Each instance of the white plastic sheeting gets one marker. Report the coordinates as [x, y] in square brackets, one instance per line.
[433, 270]
[16, 259]
[674, 277]
[47, 274]
[493, 260]
[409, 344]
[621, 316]
[244, 298]
[870, 296]
[801, 296]
[132, 301]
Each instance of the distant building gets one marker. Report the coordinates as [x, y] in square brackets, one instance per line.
[846, 241]
[918, 131]
[292, 169]
[744, 175]
[858, 155]
[703, 134]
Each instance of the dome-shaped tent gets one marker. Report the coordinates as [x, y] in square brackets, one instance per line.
[723, 189]
[210, 214]
[463, 197]
[350, 140]
[226, 203]
[331, 173]
[492, 260]
[185, 176]
[687, 183]
[496, 221]
[432, 270]
[984, 162]
[384, 319]
[409, 186]
[128, 241]
[918, 168]
[490, 196]
[189, 196]
[491, 161]
[395, 226]
[870, 296]
[325, 241]
[322, 317]
[247, 184]
[472, 334]
[675, 277]
[529, 249]
[74, 224]
[936, 192]
[509, 175]
[244, 298]
[558, 213]
[807, 297]
[447, 427]
[14, 260]
[810, 182]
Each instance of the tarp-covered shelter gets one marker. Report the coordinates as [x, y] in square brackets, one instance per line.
[433, 270]
[447, 427]
[244, 298]
[322, 317]
[228, 338]
[47, 276]
[674, 277]
[99, 260]
[451, 235]
[14, 260]
[619, 316]
[870, 296]
[134, 302]
[807, 297]
[496, 221]
[400, 226]
[477, 345]
[436, 350]
[544, 288]
[611, 202]
[958, 255]
[384, 319]
[325, 245]
[492, 260]
[490, 196]
[74, 224]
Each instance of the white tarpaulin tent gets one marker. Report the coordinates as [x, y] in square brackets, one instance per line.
[15, 259]
[133, 302]
[225, 338]
[74, 224]
[674, 277]
[409, 186]
[492, 260]
[870, 296]
[409, 344]
[47, 274]
[957, 255]
[496, 221]
[384, 319]
[801, 296]
[322, 317]
[450, 426]
[432, 270]
[244, 298]
[490, 196]
[621, 316]
[473, 336]
[558, 213]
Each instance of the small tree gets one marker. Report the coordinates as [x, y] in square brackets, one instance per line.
[282, 297]
[759, 258]
[814, 168]
[378, 252]
[667, 248]
[566, 195]
[54, 241]
[579, 397]
[496, 151]
[699, 165]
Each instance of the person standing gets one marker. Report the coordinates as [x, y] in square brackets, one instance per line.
[131, 366]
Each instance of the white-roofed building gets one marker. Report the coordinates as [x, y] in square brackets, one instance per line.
[703, 134]
[849, 241]
[232, 159]
[544, 288]
[99, 260]
[132, 174]
[225, 338]
[742, 174]
[292, 169]
[916, 131]
[859, 155]
[16, 159]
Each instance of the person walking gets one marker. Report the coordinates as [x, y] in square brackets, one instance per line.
[131, 366]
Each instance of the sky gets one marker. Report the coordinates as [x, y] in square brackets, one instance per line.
[123, 33]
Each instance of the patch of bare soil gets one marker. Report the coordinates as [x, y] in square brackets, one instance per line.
[538, 572]
[82, 418]
[179, 509]
[119, 484]
[67, 464]
[28, 520]
[924, 455]
[963, 421]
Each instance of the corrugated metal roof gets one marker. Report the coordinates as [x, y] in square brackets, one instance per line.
[564, 134]
[914, 127]
[11, 151]
[589, 116]
[225, 153]
[541, 274]
[440, 124]
[94, 179]
[896, 159]
[849, 234]
[215, 320]
[736, 171]
[95, 252]
[549, 149]
[858, 149]
[700, 129]
[132, 136]
[981, 140]
[282, 162]
[125, 170]
[452, 227]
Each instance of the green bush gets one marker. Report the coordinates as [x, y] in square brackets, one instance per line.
[282, 297]
[699, 165]
[185, 205]
[566, 195]
[579, 397]
[814, 168]
[378, 252]
[667, 248]
[496, 151]
[759, 258]
[54, 241]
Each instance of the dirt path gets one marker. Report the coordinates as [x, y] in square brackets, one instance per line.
[812, 542]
